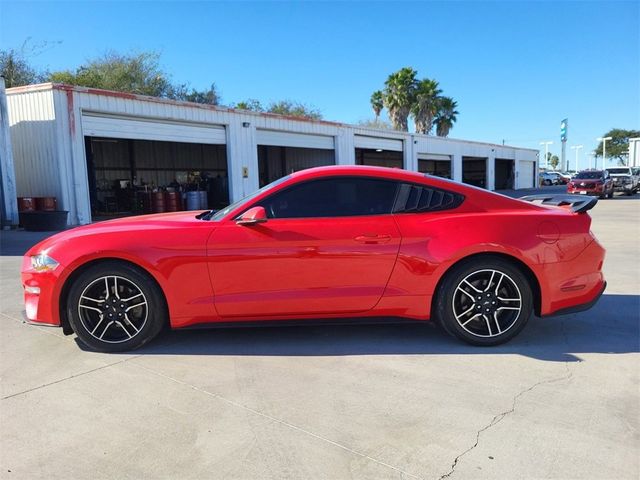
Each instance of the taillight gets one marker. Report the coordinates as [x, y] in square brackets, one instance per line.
[570, 185]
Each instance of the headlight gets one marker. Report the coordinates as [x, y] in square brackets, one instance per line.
[43, 263]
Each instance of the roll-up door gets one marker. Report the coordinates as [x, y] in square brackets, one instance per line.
[288, 139]
[526, 174]
[109, 126]
[377, 143]
[434, 156]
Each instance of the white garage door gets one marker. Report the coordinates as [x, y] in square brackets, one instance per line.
[434, 156]
[276, 138]
[96, 125]
[526, 177]
[375, 143]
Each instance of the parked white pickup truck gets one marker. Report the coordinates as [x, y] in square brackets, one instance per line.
[625, 179]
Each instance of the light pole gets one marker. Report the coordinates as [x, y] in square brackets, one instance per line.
[577, 149]
[546, 153]
[604, 149]
[592, 156]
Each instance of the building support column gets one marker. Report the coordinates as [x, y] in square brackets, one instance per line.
[409, 155]
[456, 167]
[345, 152]
[8, 202]
[491, 172]
[242, 159]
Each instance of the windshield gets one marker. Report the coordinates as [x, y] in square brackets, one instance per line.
[617, 171]
[589, 175]
[221, 213]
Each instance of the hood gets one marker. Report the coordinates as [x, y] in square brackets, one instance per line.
[587, 181]
[119, 225]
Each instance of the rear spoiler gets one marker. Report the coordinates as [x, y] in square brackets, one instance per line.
[579, 204]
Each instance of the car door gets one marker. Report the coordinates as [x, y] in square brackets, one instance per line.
[328, 247]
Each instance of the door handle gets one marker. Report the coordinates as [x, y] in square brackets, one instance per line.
[373, 239]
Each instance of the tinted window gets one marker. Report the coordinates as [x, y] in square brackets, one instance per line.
[333, 197]
[618, 171]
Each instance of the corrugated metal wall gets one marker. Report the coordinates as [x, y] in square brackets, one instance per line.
[34, 139]
[50, 156]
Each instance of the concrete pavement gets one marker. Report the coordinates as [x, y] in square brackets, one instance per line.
[560, 401]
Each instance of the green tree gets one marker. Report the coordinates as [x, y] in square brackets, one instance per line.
[209, 96]
[399, 96]
[618, 146]
[16, 70]
[553, 161]
[250, 104]
[138, 73]
[377, 103]
[376, 123]
[425, 105]
[294, 109]
[446, 115]
[282, 107]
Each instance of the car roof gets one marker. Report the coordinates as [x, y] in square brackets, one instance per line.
[359, 170]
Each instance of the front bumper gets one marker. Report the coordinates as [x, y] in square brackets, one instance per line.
[622, 187]
[43, 307]
[585, 191]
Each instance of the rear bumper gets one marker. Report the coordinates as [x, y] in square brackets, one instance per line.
[580, 307]
[574, 285]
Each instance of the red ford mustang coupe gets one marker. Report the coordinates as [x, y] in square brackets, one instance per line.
[325, 243]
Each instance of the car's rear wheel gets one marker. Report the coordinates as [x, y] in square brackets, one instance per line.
[115, 307]
[485, 301]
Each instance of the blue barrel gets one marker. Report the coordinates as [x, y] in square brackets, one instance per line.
[204, 201]
[193, 200]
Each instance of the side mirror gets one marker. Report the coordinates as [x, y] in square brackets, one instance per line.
[252, 216]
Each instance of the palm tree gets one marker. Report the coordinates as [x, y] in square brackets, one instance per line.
[377, 103]
[399, 95]
[445, 116]
[426, 105]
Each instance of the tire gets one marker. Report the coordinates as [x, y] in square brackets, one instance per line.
[508, 318]
[610, 194]
[129, 322]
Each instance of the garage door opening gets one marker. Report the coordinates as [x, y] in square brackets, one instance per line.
[377, 157]
[505, 174]
[133, 177]
[276, 162]
[474, 171]
[435, 167]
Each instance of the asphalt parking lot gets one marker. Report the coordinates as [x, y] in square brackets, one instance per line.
[560, 401]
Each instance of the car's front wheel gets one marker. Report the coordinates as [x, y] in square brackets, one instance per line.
[115, 307]
[485, 301]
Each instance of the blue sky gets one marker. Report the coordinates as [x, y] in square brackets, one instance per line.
[515, 68]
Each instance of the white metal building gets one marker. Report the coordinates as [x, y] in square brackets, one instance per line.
[74, 143]
[634, 152]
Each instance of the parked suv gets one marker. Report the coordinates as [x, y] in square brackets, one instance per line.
[592, 182]
[625, 179]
